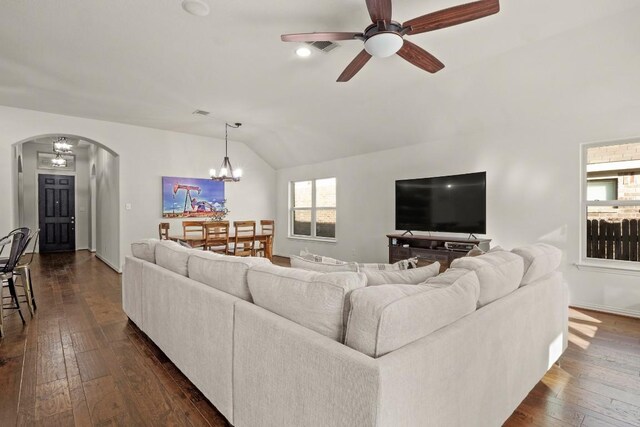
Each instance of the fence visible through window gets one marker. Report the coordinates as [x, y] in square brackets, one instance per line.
[612, 201]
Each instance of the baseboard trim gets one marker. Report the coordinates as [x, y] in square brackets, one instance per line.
[605, 309]
[113, 267]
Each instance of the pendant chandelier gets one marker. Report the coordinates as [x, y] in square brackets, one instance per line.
[58, 161]
[227, 174]
[61, 146]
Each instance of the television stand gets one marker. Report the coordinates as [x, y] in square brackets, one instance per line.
[429, 249]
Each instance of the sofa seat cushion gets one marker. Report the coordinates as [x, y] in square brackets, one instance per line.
[499, 273]
[386, 317]
[223, 272]
[145, 249]
[540, 260]
[322, 266]
[172, 256]
[318, 301]
[405, 277]
[404, 264]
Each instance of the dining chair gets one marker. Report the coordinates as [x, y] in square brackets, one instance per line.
[267, 226]
[6, 275]
[23, 271]
[216, 235]
[243, 239]
[193, 233]
[163, 230]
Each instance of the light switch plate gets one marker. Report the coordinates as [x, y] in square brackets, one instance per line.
[127, 206]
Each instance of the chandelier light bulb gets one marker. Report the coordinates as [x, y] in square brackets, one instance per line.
[212, 173]
[237, 173]
[223, 172]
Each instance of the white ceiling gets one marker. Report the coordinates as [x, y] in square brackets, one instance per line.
[148, 63]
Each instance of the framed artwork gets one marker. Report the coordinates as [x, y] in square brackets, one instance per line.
[191, 197]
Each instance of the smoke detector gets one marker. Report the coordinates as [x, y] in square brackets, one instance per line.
[195, 7]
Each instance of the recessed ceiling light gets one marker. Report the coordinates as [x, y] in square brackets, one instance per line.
[195, 7]
[303, 52]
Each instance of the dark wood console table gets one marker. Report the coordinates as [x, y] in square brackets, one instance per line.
[429, 249]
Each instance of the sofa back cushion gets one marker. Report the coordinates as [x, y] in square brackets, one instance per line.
[322, 266]
[223, 272]
[406, 277]
[540, 260]
[499, 273]
[318, 301]
[145, 249]
[386, 317]
[403, 264]
[172, 256]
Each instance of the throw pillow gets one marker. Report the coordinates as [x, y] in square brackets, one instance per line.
[413, 276]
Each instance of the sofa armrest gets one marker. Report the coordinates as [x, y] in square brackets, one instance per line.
[287, 375]
[476, 371]
[132, 289]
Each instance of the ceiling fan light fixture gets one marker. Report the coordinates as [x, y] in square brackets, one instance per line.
[195, 7]
[383, 45]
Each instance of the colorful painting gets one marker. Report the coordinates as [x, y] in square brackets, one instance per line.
[191, 197]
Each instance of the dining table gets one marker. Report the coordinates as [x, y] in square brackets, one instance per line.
[197, 241]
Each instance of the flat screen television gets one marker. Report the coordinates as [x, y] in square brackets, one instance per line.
[455, 204]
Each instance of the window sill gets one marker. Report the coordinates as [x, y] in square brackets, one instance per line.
[613, 267]
[313, 239]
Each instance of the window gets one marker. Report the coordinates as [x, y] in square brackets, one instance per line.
[611, 203]
[602, 189]
[313, 209]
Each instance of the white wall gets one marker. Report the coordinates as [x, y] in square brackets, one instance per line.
[144, 155]
[106, 207]
[533, 194]
[28, 191]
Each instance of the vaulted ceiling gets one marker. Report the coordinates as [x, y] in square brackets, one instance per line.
[148, 63]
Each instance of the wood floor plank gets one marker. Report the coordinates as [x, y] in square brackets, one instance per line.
[105, 403]
[91, 365]
[79, 406]
[52, 398]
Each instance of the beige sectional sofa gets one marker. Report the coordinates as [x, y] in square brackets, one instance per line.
[273, 346]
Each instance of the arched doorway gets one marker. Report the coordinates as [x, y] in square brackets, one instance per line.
[75, 206]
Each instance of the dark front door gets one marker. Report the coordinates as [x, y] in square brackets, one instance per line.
[57, 211]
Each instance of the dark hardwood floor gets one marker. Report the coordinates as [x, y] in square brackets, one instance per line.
[80, 362]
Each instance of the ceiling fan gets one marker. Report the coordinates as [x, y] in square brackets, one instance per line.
[385, 37]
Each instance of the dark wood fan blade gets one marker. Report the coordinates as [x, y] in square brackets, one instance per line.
[452, 16]
[379, 10]
[319, 37]
[420, 57]
[355, 66]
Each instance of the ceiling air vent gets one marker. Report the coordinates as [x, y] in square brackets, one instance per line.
[324, 46]
[201, 113]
